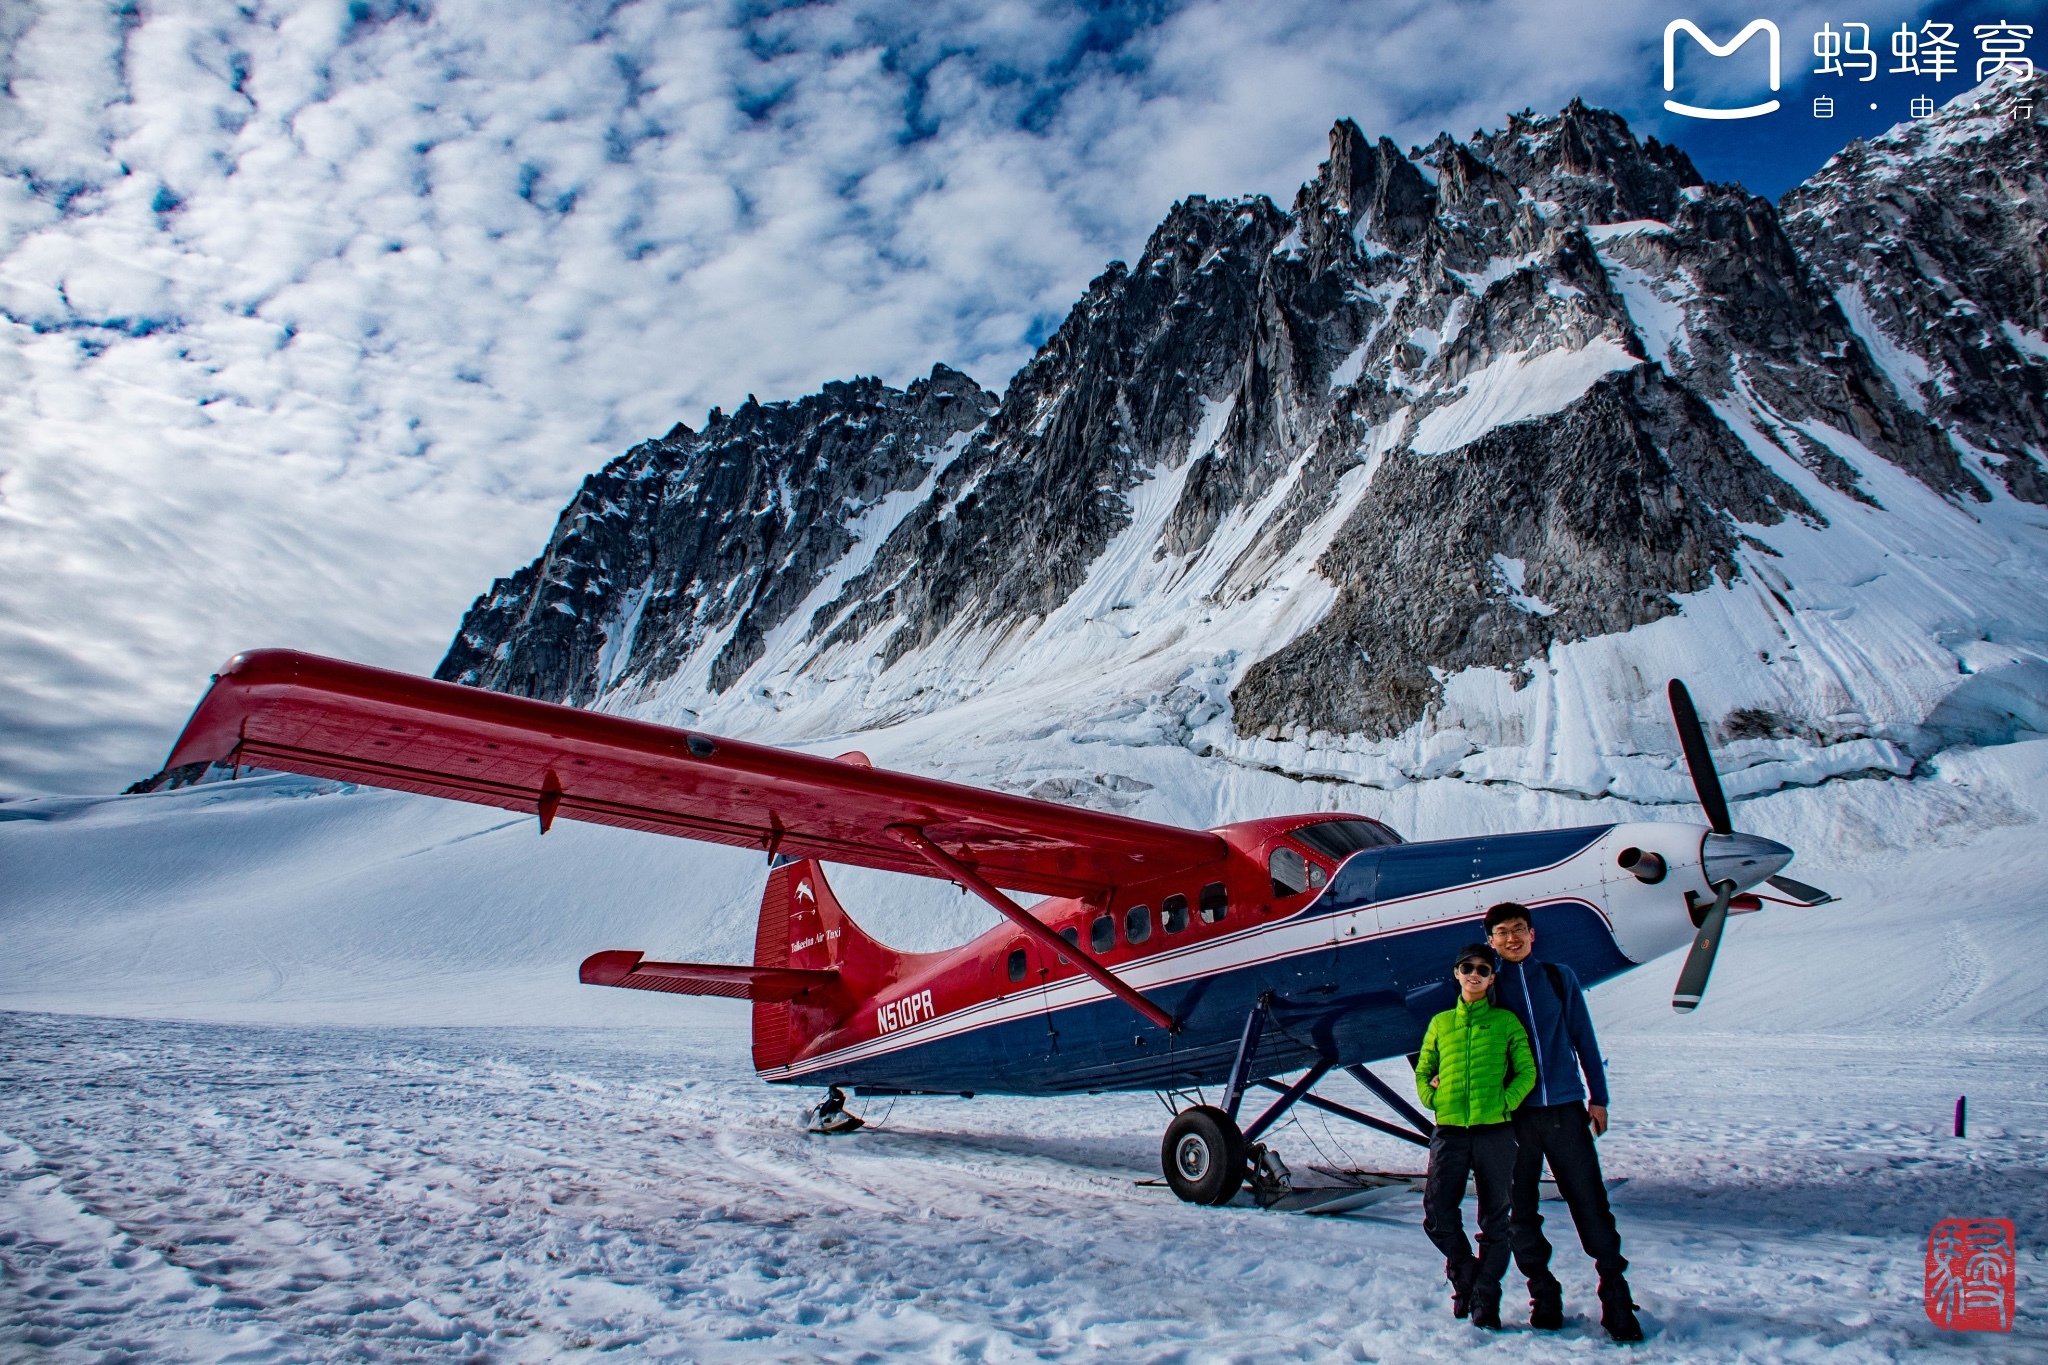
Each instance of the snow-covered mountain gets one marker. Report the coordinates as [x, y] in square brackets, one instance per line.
[1441, 472]
[1934, 240]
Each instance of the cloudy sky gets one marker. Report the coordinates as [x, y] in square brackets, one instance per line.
[313, 313]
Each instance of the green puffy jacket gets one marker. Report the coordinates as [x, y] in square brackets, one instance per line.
[1479, 1056]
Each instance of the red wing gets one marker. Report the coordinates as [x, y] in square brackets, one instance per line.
[300, 713]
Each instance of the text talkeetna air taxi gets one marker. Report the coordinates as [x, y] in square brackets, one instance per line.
[1163, 959]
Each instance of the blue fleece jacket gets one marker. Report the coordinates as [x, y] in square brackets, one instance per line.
[1558, 1031]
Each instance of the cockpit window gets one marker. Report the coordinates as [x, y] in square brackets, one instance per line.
[1339, 839]
[1289, 871]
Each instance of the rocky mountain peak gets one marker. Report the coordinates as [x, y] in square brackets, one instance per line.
[1366, 189]
[708, 541]
[1290, 476]
[1589, 160]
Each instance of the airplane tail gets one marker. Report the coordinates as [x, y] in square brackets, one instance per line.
[804, 928]
[812, 966]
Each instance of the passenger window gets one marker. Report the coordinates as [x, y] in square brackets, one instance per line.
[1016, 964]
[1289, 871]
[1173, 913]
[1071, 935]
[1138, 922]
[1215, 903]
[1102, 933]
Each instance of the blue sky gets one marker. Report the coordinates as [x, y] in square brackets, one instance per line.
[313, 313]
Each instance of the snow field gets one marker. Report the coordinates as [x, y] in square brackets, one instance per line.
[1516, 387]
[204, 1192]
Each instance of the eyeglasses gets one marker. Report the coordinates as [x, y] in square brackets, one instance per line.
[1516, 929]
[1475, 968]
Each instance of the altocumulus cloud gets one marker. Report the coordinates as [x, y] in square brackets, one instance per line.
[312, 314]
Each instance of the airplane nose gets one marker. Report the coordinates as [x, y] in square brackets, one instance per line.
[1744, 859]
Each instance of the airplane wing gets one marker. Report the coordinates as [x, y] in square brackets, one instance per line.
[300, 713]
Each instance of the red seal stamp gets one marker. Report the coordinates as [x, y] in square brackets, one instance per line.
[1972, 1264]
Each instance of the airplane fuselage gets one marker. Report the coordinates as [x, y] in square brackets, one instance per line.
[1352, 966]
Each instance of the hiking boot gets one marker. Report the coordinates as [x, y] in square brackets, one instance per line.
[1486, 1306]
[1461, 1274]
[1546, 1307]
[1618, 1310]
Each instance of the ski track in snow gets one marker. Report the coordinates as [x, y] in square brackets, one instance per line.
[207, 1192]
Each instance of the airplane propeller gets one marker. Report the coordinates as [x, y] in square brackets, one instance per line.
[1693, 739]
[1725, 856]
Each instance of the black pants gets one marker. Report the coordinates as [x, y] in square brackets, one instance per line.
[1561, 1134]
[1486, 1152]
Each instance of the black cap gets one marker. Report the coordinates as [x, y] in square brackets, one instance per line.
[1473, 952]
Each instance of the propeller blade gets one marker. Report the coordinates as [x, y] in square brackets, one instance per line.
[1692, 978]
[1808, 896]
[1698, 761]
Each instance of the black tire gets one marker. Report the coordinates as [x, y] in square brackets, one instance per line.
[1203, 1154]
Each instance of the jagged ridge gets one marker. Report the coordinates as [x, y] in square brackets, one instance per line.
[1504, 394]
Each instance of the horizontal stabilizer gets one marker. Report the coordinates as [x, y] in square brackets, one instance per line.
[632, 970]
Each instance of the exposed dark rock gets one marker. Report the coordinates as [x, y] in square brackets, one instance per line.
[1587, 160]
[1427, 561]
[168, 779]
[1365, 190]
[1937, 233]
[694, 534]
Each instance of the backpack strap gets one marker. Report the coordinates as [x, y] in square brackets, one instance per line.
[1557, 983]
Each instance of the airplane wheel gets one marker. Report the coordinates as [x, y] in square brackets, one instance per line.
[1203, 1154]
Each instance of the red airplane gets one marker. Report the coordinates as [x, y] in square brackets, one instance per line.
[1162, 959]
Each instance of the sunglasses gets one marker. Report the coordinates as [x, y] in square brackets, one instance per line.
[1475, 968]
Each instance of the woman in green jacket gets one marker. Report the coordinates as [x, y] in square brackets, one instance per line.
[1474, 1068]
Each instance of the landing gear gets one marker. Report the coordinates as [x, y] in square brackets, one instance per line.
[831, 1117]
[1204, 1155]
[1208, 1158]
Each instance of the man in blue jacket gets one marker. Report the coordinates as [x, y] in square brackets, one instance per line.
[1557, 1124]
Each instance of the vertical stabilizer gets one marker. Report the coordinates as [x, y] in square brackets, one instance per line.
[803, 925]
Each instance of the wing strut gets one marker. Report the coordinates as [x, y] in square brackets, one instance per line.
[914, 838]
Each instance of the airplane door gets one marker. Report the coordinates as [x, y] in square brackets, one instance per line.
[1029, 1040]
[1364, 971]
[1359, 958]
[1353, 896]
